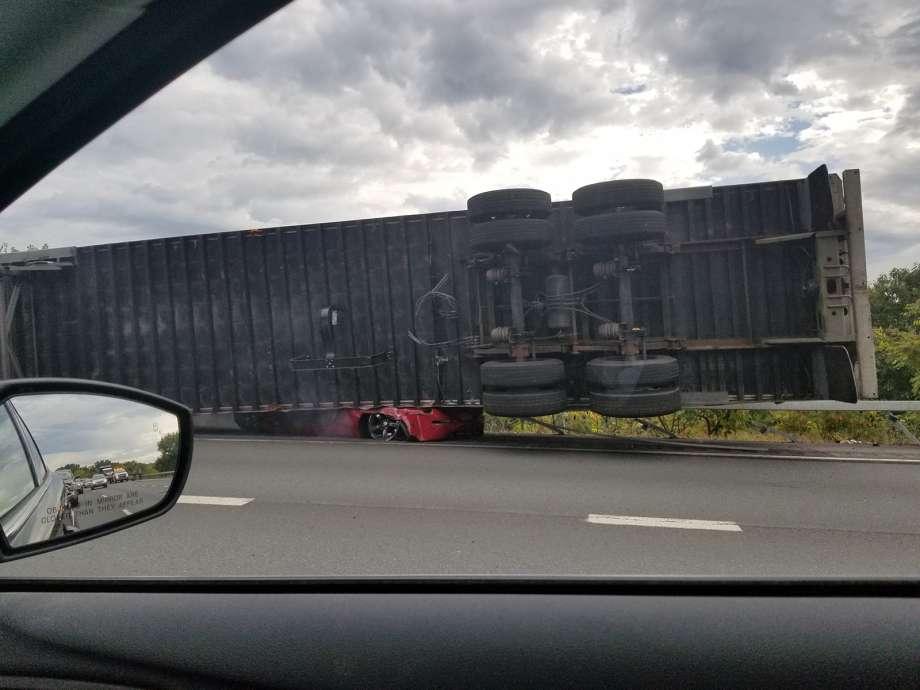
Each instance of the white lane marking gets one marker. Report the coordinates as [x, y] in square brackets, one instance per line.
[214, 500]
[673, 523]
[126, 511]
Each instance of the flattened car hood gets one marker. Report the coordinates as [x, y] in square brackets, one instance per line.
[70, 70]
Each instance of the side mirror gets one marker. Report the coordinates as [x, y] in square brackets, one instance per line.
[79, 459]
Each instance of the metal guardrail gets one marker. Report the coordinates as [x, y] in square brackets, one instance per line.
[719, 400]
[154, 475]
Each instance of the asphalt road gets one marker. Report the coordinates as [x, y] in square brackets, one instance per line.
[293, 507]
[117, 501]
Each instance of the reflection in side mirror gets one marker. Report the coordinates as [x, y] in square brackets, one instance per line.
[78, 464]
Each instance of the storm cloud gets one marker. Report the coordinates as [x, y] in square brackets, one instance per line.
[344, 109]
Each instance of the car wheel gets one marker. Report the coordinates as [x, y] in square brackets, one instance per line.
[381, 427]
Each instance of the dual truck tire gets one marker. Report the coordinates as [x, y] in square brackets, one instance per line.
[614, 211]
[508, 203]
[509, 216]
[619, 387]
[619, 211]
[603, 197]
[634, 387]
[532, 388]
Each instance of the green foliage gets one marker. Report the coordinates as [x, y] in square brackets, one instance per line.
[837, 427]
[912, 421]
[168, 445]
[573, 421]
[87, 471]
[891, 295]
[895, 299]
[718, 423]
[898, 362]
[134, 468]
[79, 472]
[741, 425]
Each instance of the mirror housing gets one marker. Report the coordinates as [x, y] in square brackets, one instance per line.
[65, 489]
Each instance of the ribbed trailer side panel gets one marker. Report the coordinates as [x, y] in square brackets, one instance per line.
[214, 320]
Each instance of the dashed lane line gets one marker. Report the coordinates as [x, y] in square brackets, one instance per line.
[672, 523]
[214, 500]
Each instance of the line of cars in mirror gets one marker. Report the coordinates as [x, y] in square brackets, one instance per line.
[74, 487]
[76, 512]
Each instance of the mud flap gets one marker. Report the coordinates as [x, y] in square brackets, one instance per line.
[822, 201]
[841, 379]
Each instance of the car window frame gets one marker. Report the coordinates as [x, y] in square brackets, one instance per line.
[36, 459]
[36, 484]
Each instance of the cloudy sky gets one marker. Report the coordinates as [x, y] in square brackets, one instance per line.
[85, 428]
[332, 110]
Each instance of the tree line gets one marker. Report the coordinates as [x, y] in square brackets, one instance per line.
[168, 447]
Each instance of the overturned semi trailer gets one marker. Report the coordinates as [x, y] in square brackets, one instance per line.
[629, 299]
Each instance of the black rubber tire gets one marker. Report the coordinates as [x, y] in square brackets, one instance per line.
[624, 226]
[531, 373]
[624, 374]
[521, 232]
[509, 203]
[524, 403]
[599, 197]
[395, 430]
[647, 403]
